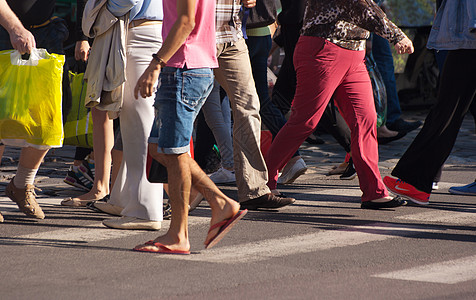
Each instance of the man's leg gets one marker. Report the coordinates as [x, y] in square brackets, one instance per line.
[235, 76]
[183, 174]
[21, 188]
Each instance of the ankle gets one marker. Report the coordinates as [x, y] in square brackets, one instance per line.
[24, 176]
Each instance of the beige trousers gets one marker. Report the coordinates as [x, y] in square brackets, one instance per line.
[235, 76]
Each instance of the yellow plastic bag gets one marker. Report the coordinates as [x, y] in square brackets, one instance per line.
[78, 128]
[30, 99]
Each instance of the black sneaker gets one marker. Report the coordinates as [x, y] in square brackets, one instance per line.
[77, 179]
[395, 202]
[349, 172]
[88, 169]
[267, 201]
[167, 211]
[402, 125]
[386, 140]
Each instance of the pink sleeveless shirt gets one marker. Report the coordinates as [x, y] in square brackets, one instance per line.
[199, 49]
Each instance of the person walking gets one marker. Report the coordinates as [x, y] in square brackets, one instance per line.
[329, 60]
[139, 202]
[184, 63]
[454, 29]
[235, 76]
[45, 31]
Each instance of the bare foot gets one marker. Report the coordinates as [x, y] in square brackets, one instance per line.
[92, 195]
[228, 210]
[172, 243]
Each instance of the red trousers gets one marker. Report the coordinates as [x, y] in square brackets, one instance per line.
[324, 69]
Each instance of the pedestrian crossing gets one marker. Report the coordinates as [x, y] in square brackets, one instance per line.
[447, 272]
[322, 240]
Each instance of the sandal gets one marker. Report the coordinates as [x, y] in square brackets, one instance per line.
[75, 202]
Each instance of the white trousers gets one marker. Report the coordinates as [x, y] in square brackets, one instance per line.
[132, 190]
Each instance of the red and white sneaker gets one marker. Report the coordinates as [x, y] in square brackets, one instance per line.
[406, 190]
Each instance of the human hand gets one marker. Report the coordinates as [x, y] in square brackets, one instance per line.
[22, 40]
[146, 83]
[249, 3]
[404, 46]
[81, 50]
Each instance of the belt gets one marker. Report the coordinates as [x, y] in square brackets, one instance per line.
[143, 22]
[44, 23]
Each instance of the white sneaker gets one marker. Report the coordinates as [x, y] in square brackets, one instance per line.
[288, 176]
[223, 176]
[132, 223]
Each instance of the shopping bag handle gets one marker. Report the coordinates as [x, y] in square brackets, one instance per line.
[33, 58]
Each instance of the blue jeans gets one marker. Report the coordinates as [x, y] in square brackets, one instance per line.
[384, 59]
[181, 94]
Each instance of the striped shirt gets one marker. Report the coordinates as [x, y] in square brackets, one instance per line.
[228, 21]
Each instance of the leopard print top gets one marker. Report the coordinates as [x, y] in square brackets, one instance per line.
[347, 22]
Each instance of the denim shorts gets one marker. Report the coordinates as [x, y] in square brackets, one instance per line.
[181, 94]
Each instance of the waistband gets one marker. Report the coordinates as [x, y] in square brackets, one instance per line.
[44, 23]
[143, 22]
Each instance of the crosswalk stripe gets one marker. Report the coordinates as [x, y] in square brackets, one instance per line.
[447, 217]
[90, 233]
[76, 235]
[322, 240]
[449, 272]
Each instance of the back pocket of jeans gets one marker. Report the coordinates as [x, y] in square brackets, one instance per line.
[196, 86]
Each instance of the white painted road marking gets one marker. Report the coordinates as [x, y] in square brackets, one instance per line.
[322, 240]
[89, 233]
[449, 272]
[444, 216]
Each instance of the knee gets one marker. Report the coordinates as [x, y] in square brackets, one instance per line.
[160, 157]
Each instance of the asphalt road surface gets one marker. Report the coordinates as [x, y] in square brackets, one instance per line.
[322, 247]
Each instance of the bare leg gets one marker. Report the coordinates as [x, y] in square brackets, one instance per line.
[31, 158]
[103, 141]
[116, 165]
[184, 172]
[2, 148]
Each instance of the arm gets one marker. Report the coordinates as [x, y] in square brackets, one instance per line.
[179, 32]
[81, 50]
[366, 14]
[21, 39]
[249, 3]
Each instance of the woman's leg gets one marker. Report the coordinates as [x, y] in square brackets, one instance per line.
[310, 100]
[132, 191]
[433, 144]
[355, 100]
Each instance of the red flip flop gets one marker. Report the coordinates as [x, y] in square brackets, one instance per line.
[224, 226]
[160, 249]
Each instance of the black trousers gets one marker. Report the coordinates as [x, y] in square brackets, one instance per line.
[432, 146]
